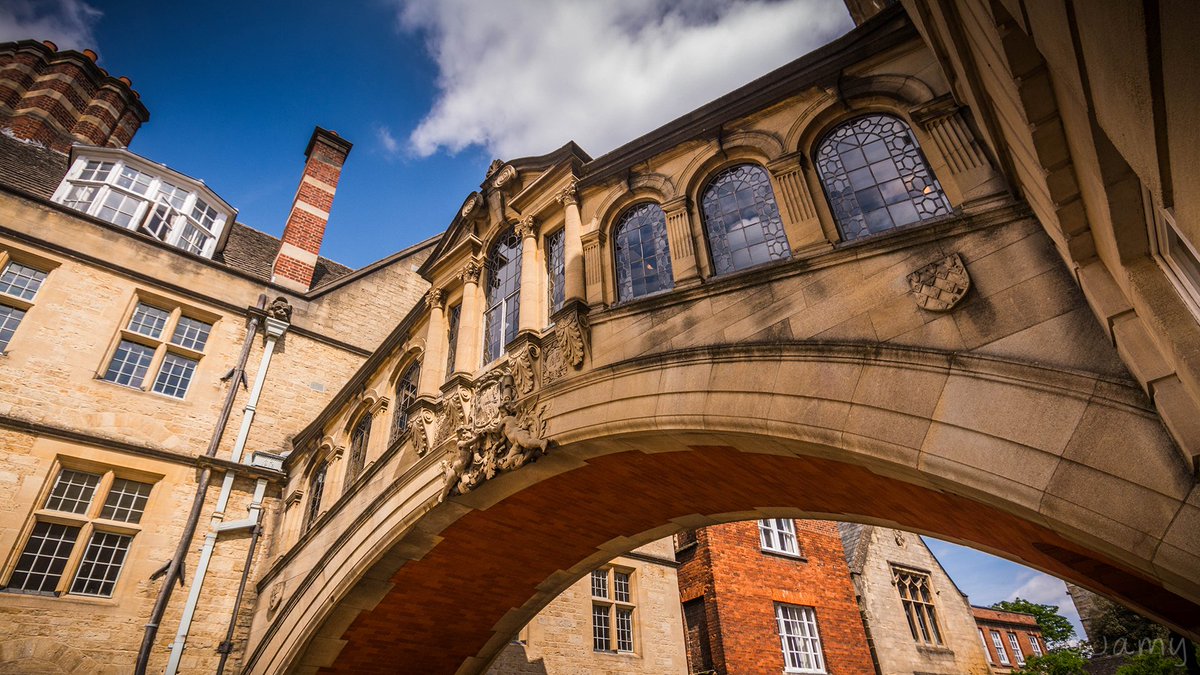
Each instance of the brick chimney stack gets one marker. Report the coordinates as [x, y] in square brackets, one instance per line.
[297, 258]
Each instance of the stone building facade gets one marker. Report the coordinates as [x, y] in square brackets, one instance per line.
[938, 274]
[916, 619]
[769, 596]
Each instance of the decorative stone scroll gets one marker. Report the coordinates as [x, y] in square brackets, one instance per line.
[570, 334]
[504, 177]
[470, 204]
[423, 426]
[568, 195]
[523, 372]
[501, 435]
[939, 286]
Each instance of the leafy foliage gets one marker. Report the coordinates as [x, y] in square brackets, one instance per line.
[1152, 663]
[1061, 662]
[1056, 629]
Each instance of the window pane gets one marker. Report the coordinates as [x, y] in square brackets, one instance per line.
[10, 318]
[742, 219]
[643, 255]
[778, 535]
[171, 195]
[97, 171]
[191, 333]
[101, 565]
[193, 239]
[600, 628]
[1016, 648]
[1001, 653]
[876, 178]
[358, 450]
[20, 281]
[72, 491]
[621, 586]
[624, 629]
[555, 270]
[80, 197]
[204, 214]
[133, 180]
[599, 583]
[503, 295]
[41, 563]
[175, 375]
[148, 321]
[452, 319]
[406, 393]
[799, 638]
[158, 222]
[316, 489]
[129, 364]
[126, 501]
[119, 208]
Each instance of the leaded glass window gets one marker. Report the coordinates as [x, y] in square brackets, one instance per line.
[917, 600]
[358, 450]
[876, 178]
[406, 393]
[742, 219]
[503, 295]
[316, 490]
[642, 253]
[452, 320]
[555, 271]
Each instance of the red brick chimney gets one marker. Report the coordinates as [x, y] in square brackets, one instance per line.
[297, 259]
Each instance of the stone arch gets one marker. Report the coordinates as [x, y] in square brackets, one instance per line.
[411, 352]
[761, 145]
[1067, 472]
[369, 402]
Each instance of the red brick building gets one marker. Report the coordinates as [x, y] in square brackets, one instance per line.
[769, 596]
[1010, 638]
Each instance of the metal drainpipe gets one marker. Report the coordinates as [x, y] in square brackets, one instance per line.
[274, 330]
[227, 645]
[174, 569]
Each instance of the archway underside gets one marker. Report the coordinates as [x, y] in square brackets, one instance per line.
[495, 567]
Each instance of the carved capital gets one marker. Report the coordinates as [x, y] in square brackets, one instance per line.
[674, 205]
[525, 228]
[470, 271]
[435, 298]
[789, 163]
[569, 196]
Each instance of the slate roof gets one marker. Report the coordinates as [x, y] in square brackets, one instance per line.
[37, 170]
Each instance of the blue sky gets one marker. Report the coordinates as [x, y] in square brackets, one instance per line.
[429, 92]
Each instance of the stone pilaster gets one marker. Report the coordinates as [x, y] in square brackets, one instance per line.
[800, 221]
[679, 235]
[972, 173]
[593, 245]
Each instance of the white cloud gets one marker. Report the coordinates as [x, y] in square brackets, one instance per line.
[1047, 590]
[386, 139]
[66, 23]
[523, 77]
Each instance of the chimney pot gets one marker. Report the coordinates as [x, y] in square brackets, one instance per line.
[53, 47]
[90, 54]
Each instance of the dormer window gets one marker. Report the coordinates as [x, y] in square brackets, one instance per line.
[133, 193]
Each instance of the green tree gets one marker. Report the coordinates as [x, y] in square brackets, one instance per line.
[1061, 662]
[1057, 631]
[1118, 630]
[1152, 663]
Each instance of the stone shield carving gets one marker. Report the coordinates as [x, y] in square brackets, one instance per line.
[941, 285]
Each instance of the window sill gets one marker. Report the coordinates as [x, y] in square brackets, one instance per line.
[934, 650]
[790, 556]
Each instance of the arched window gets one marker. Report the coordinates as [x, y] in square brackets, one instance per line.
[643, 257]
[358, 449]
[503, 295]
[742, 219]
[406, 393]
[316, 487]
[876, 178]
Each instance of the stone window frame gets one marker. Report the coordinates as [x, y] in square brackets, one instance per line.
[163, 343]
[920, 608]
[777, 527]
[317, 484]
[808, 615]
[624, 217]
[554, 247]
[611, 605]
[1173, 252]
[360, 439]
[14, 302]
[89, 522]
[170, 208]
[406, 389]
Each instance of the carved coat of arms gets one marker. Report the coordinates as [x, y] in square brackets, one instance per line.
[939, 286]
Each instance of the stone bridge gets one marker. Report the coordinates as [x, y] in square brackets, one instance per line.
[597, 391]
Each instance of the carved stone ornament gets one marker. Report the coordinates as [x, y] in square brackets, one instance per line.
[455, 413]
[494, 166]
[435, 297]
[523, 368]
[280, 310]
[503, 436]
[504, 177]
[470, 271]
[939, 286]
[525, 228]
[568, 195]
[571, 336]
[423, 427]
[276, 598]
[899, 537]
[554, 366]
[470, 204]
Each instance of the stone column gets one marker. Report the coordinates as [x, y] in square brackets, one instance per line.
[574, 286]
[679, 237]
[470, 322]
[593, 264]
[800, 221]
[433, 364]
[969, 167]
[527, 314]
